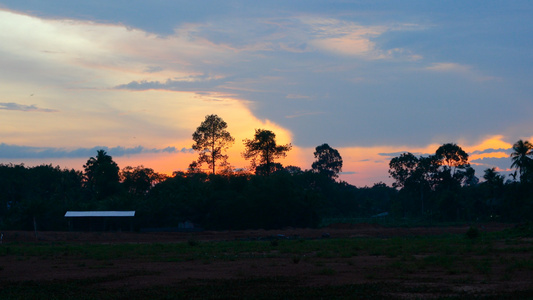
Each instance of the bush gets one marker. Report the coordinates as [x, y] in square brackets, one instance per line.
[472, 233]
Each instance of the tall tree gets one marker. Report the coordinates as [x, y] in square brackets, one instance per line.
[102, 175]
[328, 161]
[522, 150]
[263, 150]
[454, 167]
[452, 156]
[211, 139]
[414, 175]
[403, 169]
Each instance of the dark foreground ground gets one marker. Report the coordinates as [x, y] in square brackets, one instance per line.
[342, 261]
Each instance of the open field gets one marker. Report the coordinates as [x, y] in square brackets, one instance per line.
[342, 261]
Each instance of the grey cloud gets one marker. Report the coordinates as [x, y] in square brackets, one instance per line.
[396, 154]
[153, 69]
[502, 163]
[395, 104]
[22, 107]
[27, 152]
[191, 83]
[392, 154]
[491, 150]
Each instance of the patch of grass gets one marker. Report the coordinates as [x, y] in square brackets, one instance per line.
[403, 267]
[483, 266]
[442, 261]
[325, 254]
[193, 242]
[327, 271]
[441, 246]
[472, 233]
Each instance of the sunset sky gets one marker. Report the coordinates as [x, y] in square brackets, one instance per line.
[372, 79]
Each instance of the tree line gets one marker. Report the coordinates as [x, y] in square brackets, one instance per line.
[440, 187]
[443, 186]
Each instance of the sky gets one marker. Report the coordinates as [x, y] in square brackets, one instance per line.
[372, 79]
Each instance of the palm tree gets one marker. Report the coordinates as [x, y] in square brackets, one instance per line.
[520, 157]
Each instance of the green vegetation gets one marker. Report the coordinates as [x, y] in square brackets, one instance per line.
[494, 258]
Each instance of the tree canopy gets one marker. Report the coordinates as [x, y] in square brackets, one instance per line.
[263, 150]
[139, 180]
[102, 175]
[521, 158]
[452, 156]
[328, 161]
[403, 169]
[211, 139]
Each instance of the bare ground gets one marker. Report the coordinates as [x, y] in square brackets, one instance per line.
[334, 231]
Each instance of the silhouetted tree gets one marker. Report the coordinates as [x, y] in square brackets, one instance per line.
[493, 179]
[403, 169]
[415, 176]
[102, 175]
[328, 161]
[139, 180]
[294, 170]
[470, 177]
[521, 160]
[453, 157]
[263, 150]
[194, 167]
[454, 165]
[211, 140]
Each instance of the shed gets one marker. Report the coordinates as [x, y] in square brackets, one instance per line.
[100, 220]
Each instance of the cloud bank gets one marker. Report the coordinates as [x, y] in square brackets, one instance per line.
[25, 108]
[27, 152]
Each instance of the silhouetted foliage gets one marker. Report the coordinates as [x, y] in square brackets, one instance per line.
[328, 161]
[522, 161]
[139, 180]
[211, 139]
[452, 156]
[37, 196]
[472, 233]
[404, 169]
[446, 188]
[102, 175]
[263, 150]
[437, 187]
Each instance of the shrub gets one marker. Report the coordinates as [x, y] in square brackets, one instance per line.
[472, 233]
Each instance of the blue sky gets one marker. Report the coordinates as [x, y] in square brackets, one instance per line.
[366, 77]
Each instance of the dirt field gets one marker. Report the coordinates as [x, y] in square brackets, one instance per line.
[310, 270]
[334, 231]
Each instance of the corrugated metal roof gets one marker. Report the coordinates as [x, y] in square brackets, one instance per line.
[74, 214]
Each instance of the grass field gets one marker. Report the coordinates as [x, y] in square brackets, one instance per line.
[479, 265]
